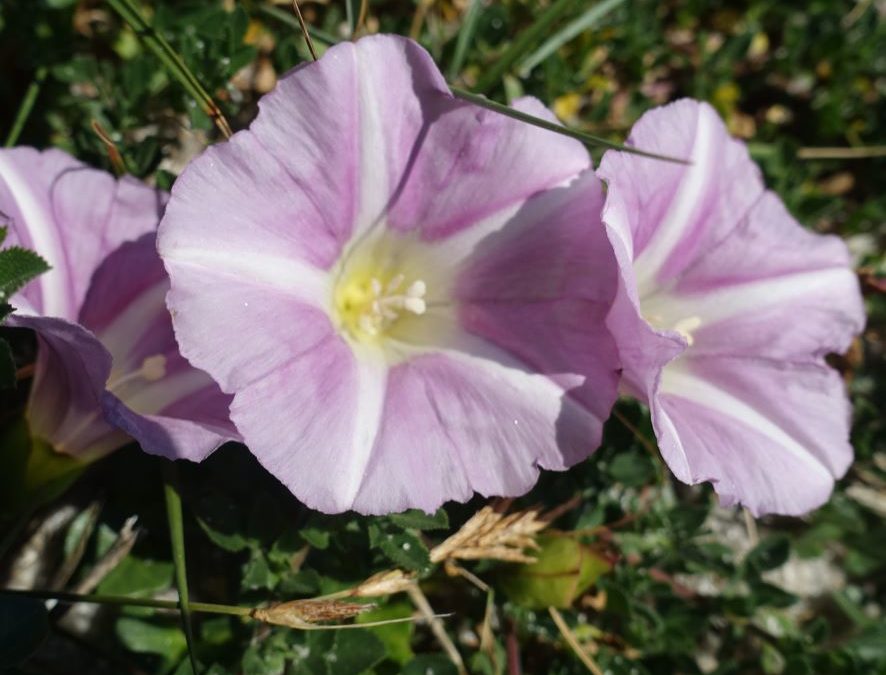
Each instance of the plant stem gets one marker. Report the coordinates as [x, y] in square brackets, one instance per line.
[171, 60]
[127, 601]
[24, 110]
[177, 538]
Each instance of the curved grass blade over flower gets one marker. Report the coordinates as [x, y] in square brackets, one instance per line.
[726, 310]
[106, 347]
[406, 275]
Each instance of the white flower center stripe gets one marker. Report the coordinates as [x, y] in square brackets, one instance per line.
[372, 374]
[688, 197]
[746, 299]
[678, 382]
[40, 226]
[123, 333]
[299, 279]
[153, 397]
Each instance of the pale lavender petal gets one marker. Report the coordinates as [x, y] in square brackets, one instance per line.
[153, 393]
[297, 182]
[454, 424]
[313, 421]
[73, 216]
[673, 213]
[64, 407]
[772, 435]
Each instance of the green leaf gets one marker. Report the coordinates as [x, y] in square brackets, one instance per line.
[316, 537]
[419, 520]
[24, 623]
[17, 267]
[632, 468]
[397, 638]
[221, 519]
[146, 637]
[354, 652]
[430, 664]
[564, 569]
[405, 550]
[138, 577]
[770, 553]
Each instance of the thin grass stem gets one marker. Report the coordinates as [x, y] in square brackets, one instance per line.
[523, 43]
[27, 105]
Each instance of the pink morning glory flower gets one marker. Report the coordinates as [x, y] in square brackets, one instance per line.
[394, 286]
[106, 350]
[725, 312]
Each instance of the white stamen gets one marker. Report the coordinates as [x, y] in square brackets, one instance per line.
[685, 327]
[387, 303]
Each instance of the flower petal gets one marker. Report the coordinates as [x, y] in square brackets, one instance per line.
[770, 289]
[541, 287]
[454, 424]
[771, 435]
[73, 216]
[316, 437]
[168, 406]
[672, 213]
[64, 407]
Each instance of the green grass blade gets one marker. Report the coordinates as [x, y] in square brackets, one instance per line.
[171, 61]
[523, 43]
[588, 139]
[465, 37]
[177, 538]
[24, 110]
[573, 29]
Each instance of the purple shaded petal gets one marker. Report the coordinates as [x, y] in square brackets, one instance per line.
[455, 424]
[168, 406]
[471, 163]
[69, 377]
[671, 213]
[541, 288]
[73, 216]
[772, 435]
[770, 289]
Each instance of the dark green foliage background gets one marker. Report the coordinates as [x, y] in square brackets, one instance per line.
[786, 75]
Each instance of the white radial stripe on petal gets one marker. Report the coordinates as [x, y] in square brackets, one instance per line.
[689, 193]
[677, 382]
[41, 227]
[458, 247]
[368, 409]
[123, 333]
[299, 279]
[743, 299]
[373, 179]
[151, 398]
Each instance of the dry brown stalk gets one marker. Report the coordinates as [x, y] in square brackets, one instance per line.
[302, 613]
[492, 535]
